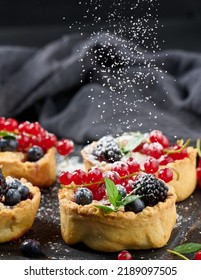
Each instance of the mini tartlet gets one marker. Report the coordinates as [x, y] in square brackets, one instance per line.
[27, 151]
[147, 228]
[184, 169]
[17, 219]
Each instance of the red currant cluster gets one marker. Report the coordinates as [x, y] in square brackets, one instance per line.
[33, 134]
[121, 173]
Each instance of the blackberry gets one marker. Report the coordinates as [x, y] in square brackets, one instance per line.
[107, 150]
[151, 189]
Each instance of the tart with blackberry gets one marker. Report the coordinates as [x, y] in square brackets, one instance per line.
[27, 151]
[110, 213]
[175, 164]
[19, 202]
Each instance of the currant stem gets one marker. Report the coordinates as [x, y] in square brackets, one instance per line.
[177, 254]
[169, 152]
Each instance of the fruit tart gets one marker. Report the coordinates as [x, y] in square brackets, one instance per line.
[110, 213]
[27, 151]
[174, 164]
[19, 202]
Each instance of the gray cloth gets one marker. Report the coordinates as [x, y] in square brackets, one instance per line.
[73, 85]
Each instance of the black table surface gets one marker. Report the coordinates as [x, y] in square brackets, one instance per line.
[46, 229]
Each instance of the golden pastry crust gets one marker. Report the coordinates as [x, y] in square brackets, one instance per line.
[17, 220]
[184, 185]
[41, 173]
[119, 230]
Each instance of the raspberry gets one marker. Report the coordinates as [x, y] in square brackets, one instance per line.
[151, 165]
[124, 255]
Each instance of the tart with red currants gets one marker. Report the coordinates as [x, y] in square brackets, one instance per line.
[19, 203]
[152, 153]
[27, 151]
[110, 212]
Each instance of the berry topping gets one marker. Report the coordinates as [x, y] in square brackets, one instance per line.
[13, 183]
[107, 150]
[197, 256]
[158, 136]
[133, 165]
[112, 175]
[98, 191]
[121, 190]
[124, 255]
[65, 178]
[10, 124]
[31, 248]
[8, 144]
[165, 174]
[151, 189]
[95, 175]
[135, 206]
[83, 196]
[151, 165]
[65, 147]
[34, 153]
[165, 159]
[12, 197]
[24, 192]
[79, 177]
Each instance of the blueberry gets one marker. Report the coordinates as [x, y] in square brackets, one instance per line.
[8, 144]
[31, 248]
[13, 183]
[24, 191]
[35, 153]
[121, 190]
[83, 196]
[12, 197]
[135, 206]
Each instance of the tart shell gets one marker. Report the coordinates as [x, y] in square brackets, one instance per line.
[184, 179]
[41, 173]
[17, 220]
[119, 230]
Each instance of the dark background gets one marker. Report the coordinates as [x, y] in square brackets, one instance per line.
[37, 22]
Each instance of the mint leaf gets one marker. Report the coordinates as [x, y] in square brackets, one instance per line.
[112, 191]
[136, 138]
[106, 209]
[7, 134]
[188, 248]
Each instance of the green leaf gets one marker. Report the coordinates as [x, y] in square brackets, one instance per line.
[112, 191]
[188, 248]
[7, 134]
[129, 198]
[106, 209]
[135, 139]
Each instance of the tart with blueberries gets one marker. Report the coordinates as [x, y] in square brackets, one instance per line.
[110, 212]
[19, 202]
[175, 164]
[27, 151]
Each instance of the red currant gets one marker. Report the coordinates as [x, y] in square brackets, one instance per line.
[180, 155]
[98, 191]
[11, 124]
[49, 141]
[197, 255]
[35, 128]
[165, 159]
[65, 147]
[24, 127]
[145, 148]
[36, 141]
[158, 136]
[121, 168]
[198, 170]
[165, 174]
[199, 162]
[151, 165]
[23, 142]
[112, 175]
[95, 175]
[127, 184]
[124, 255]
[65, 178]
[155, 150]
[79, 177]
[133, 165]
[2, 123]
